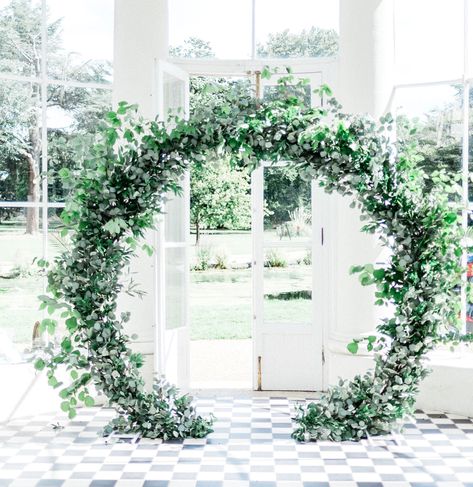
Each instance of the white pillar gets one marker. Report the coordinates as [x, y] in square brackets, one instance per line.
[141, 38]
[365, 84]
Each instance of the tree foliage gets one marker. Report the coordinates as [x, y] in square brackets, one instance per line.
[220, 196]
[193, 47]
[314, 42]
[20, 106]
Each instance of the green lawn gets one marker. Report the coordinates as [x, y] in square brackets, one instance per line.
[220, 300]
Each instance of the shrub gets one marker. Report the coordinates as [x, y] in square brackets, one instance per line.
[274, 259]
[306, 260]
[203, 258]
[221, 260]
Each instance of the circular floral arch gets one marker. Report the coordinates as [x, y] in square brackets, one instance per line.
[118, 193]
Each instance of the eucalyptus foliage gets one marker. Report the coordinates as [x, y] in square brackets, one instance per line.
[120, 191]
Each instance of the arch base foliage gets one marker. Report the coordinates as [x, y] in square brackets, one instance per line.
[120, 190]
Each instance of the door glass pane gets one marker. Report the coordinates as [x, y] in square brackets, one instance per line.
[20, 141]
[175, 224]
[74, 53]
[20, 31]
[287, 206]
[287, 285]
[176, 287]
[273, 91]
[470, 144]
[20, 284]
[309, 28]
[422, 54]
[173, 98]
[469, 289]
[210, 28]
[470, 39]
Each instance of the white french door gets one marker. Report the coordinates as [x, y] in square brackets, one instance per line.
[287, 248]
[287, 331]
[172, 244]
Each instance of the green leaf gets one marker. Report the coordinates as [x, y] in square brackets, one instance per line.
[450, 218]
[65, 406]
[40, 364]
[266, 73]
[71, 324]
[379, 274]
[64, 393]
[64, 173]
[352, 347]
[89, 401]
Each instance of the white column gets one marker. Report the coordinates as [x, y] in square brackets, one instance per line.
[141, 37]
[365, 83]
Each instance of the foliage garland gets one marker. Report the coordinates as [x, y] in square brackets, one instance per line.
[120, 190]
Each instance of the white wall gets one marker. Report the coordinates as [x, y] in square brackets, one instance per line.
[365, 84]
[141, 38]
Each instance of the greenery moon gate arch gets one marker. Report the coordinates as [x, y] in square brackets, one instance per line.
[117, 194]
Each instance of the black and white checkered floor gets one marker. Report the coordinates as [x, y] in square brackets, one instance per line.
[251, 447]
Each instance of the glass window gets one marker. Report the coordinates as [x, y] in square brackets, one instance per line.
[176, 287]
[20, 283]
[80, 40]
[210, 28]
[308, 28]
[287, 285]
[469, 45]
[73, 114]
[435, 112]
[20, 141]
[287, 206]
[428, 40]
[74, 107]
[20, 37]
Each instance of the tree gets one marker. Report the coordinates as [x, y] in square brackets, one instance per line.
[437, 137]
[315, 42]
[220, 196]
[218, 192]
[194, 47]
[20, 102]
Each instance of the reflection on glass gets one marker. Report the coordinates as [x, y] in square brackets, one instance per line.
[20, 284]
[271, 93]
[20, 147]
[469, 288]
[73, 55]
[175, 287]
[470, 142]
[74, 115]
[421, 53]
[210, 28]
[287, 205]
[287, 286]
[173, 98]
[435, 112]
[175, 228]
[20, 31]
[309, 28]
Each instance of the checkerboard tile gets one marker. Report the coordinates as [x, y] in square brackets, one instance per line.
[250, 447]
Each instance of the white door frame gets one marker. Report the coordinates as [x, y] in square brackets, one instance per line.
[172, 345]
[313, 330]
[322, 211]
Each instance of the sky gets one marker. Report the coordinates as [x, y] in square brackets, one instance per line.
[209, 20]
[428, 40]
